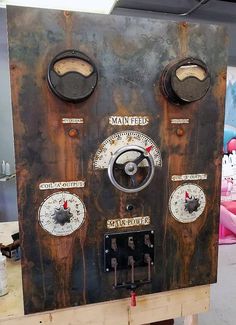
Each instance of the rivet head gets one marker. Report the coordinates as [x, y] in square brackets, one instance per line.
[73, 133]
[179, 132]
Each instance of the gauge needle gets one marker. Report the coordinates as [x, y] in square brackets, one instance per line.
[148, 149]
[186, 195]
[65, 205]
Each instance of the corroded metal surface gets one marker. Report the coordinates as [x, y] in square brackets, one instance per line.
[130, 54]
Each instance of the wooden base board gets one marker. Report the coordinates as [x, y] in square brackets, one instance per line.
[150, 308]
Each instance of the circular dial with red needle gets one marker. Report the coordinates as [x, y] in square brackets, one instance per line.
[187, 202]
[61, 213]
[121, 139]
[130, 158]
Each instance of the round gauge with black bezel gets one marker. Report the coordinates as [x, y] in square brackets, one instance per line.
[185, 81]
[72, 76]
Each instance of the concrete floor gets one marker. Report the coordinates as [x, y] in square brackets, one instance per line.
[223, 294]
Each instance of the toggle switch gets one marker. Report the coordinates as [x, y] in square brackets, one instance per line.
[147, 240]
[131, 243]
[114, 244]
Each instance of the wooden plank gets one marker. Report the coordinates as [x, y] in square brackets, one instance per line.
[150, 308]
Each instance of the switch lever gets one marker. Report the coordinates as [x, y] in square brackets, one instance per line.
[131, 263]
[147, 259]
[114, 264]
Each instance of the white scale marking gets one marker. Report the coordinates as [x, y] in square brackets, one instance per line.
[177, 202]
[56, 200]
[119, 140]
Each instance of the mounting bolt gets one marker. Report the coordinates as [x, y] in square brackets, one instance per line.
[107, 270]
[152, 232]
[107, 236]
[151, 246]
[152, 263]
[129, 207]
[106, 251]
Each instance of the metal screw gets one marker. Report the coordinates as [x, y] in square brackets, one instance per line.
[107, 270]
[107, 236]
[152, 263]
[152, 232]
[151, 246]
[106, 251]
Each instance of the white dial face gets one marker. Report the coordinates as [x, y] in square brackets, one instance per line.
[61, 213]
[125, 138]
[187, 202]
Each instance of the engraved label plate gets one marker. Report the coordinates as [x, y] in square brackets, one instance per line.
[129, 120]
[72, 120]
[128, 222]
[61, 185]
[180, 121]
[188, 177]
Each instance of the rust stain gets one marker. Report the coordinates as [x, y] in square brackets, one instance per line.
[123, 47]
[183, 38]
[17, 72]
[123, 109]
[68, 24]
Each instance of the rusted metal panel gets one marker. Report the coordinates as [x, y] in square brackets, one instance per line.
[57, 141]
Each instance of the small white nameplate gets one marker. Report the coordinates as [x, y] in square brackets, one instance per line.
[63, 185]
[72, 120]
[128, 222]
[128, 120]
[188, 177]
[180, 121]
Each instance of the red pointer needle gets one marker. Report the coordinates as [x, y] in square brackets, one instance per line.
[148, 149]
[186, 195]
[65, 205]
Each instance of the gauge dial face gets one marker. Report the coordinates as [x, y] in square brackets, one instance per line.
[61, 213]
[187, 202]
[125, 138]
[72, 64]
[191, 70]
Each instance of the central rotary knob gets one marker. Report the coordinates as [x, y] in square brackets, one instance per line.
[131, 168]
[62, 216]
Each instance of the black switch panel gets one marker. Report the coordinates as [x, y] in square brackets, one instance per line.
[122, 248]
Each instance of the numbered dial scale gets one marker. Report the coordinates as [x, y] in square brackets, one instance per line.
[121, 139]
[187, 202]
[61, 213]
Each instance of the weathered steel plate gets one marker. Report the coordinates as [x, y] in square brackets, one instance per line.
[129, 54]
